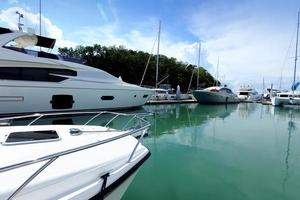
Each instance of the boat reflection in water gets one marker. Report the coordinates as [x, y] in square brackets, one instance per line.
[292, 117]
[172, 117]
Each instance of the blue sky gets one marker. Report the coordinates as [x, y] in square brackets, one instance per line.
[252, 38]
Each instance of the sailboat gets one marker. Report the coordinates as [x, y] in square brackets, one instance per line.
[291, 97]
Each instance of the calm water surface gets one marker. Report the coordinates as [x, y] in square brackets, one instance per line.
[245, 151]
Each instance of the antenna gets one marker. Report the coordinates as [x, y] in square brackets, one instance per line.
[19, 20]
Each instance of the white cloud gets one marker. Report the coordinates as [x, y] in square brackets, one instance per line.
[9, 18]
[250, 46]
[13, 1]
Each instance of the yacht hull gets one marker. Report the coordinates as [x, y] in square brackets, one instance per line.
[32, 99]
[207, 97]
[280, 101]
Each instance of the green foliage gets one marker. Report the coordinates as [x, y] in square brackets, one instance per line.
[130, 65]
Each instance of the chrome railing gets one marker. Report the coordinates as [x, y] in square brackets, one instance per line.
[142, 127]
[6, 121]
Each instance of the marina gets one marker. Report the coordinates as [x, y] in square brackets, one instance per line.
[238, 151]
[89, 111]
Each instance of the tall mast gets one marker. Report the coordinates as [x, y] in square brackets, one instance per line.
[217, 75]
[40, 5]
[157, 57]
[198, 66]
[40, 18]
[296, 54]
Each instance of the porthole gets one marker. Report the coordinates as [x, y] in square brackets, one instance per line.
[107, 98]
[145, 96]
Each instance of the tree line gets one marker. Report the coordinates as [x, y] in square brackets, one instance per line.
[130, 65]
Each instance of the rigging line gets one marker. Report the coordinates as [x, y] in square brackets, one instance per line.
[148, 61]
[286, 58]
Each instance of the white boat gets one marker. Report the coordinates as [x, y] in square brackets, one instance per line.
[68, 161]
[247, 93]
[286, 98]
[292, 97]
[215, 95]
[37, 81]
[270, 93]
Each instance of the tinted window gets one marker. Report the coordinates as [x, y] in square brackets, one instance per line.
[31, 136]
[35, 74]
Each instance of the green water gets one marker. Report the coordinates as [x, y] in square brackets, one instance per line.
[245, 151]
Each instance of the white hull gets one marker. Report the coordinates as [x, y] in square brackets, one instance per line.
[250, 97]
[281, 101]
[18, 99]
[72, 176]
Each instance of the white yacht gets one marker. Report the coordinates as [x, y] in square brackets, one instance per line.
[270, 92]
[286, 98]
[68, 161]
[247, 93]
[37, 81]
[215, 95]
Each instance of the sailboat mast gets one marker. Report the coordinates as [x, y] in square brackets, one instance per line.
[217, 75]
[40, 18]
[198, 66]
[157, 56]
[296, 53]
[40, 6]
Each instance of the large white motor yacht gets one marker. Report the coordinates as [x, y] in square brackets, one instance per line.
[37, 81]
[68, 161]
[215, 95]
[247, 93]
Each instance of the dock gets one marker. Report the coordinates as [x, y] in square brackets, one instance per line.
[173, 101]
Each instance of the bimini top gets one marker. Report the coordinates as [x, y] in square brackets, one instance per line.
[21, 40]
[39, 41]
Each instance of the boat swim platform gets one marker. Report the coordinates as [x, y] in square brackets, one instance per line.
[173, 101]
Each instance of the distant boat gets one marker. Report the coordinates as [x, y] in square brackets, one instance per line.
[215, 95]
[270, 93]
[38, 81]
[248, 93]
[291, 97]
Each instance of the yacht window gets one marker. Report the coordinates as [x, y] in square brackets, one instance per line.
[244, 93]
[283, 95]
[30, 136]
[227, 90]
[38, 74]
[145, 96]
[107, 98]
[35, 74]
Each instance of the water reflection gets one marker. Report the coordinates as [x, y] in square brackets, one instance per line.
[168, 118]
[291, 129]
[246, 109]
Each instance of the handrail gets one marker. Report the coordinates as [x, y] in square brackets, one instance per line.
[141, 127]
[62, 153]
[97, 114]
[52, 157]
